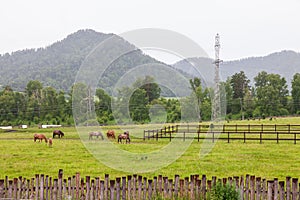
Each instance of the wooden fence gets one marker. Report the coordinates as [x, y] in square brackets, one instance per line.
[138, 187]
[228, 132]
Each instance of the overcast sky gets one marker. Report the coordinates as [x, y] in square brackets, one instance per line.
[247, 28]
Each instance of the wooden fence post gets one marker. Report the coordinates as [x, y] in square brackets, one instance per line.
[60, 179]
[242, 187]
[281, 190]
[102, 189]
[203, 186]
[160, 185]
[170, 188]
[165, 182]
[47, 187]
[92, 191]
[77, 182]
[118, 187]
[145, 188]
[264, 186]
[275, 188]
[154, 186]
[42, 187]
[50, 188]
[10, 189]
[82, 195]
[54, 194]
[2, 190]
[139, 187]
[112, 189]
[176, 185]
[15, 187]
[288, 188]
[87, 186]
[97, 191]
[149, 189]
[294, 188]
[129, 185]
[123, 187]
[258, 187]
[20, 190]
[106, 188]
[270, 190]
[252, 187]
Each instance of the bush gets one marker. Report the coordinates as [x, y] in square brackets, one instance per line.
[223, 192]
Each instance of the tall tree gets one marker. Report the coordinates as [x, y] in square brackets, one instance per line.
[151, 88]
[296, 92]
[103, 106]
[239, 83]
[271, 93]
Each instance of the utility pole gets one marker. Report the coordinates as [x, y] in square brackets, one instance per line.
[217, 99]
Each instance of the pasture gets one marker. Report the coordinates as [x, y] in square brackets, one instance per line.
[21, 156]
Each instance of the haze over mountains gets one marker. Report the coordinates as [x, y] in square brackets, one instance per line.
[58, 64]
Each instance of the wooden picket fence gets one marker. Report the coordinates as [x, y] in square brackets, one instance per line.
[138, 187]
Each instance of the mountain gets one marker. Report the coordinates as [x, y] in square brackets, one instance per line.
[58, 64]
[284, 63]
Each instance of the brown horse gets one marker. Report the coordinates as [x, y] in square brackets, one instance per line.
[97, 134]
[124, 136]
[59, 133]
[50, 142]
[111, 134]
[39, 137]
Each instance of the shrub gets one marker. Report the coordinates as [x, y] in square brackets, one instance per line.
[223, 192]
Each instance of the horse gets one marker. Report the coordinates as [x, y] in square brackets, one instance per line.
[111, 134]
[97, 134]
[124, 136]
[39, 137]
[50, 142]
[59, 133]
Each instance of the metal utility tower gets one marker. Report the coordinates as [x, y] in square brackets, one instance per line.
[217, 100]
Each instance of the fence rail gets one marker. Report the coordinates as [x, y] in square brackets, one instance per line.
[262, 132]
[138, 187]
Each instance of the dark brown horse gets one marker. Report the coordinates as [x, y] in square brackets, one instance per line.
[124, 136]
[59, 133]
[111, 134]
[39, 137]
[97, 134]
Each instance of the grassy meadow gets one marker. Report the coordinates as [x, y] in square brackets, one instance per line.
[21, 156]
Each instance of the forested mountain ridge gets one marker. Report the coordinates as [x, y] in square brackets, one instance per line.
[55, 65]
[58, 64]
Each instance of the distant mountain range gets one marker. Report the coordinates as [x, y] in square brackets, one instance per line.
[284, 63]
[58, 64]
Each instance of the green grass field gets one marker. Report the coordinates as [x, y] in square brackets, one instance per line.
[20, 156]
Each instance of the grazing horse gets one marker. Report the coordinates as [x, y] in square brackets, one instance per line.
[39, 137]
[111, 134]
[50, 142]
[97, 134]
[124, 136]
[59, 133]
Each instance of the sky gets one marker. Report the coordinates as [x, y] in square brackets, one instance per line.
[246, 28]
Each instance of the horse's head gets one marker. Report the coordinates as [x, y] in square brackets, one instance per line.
[62, 134]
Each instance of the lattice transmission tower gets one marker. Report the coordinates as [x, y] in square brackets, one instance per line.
[216, 115]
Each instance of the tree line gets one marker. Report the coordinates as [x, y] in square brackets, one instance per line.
[142, 102]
